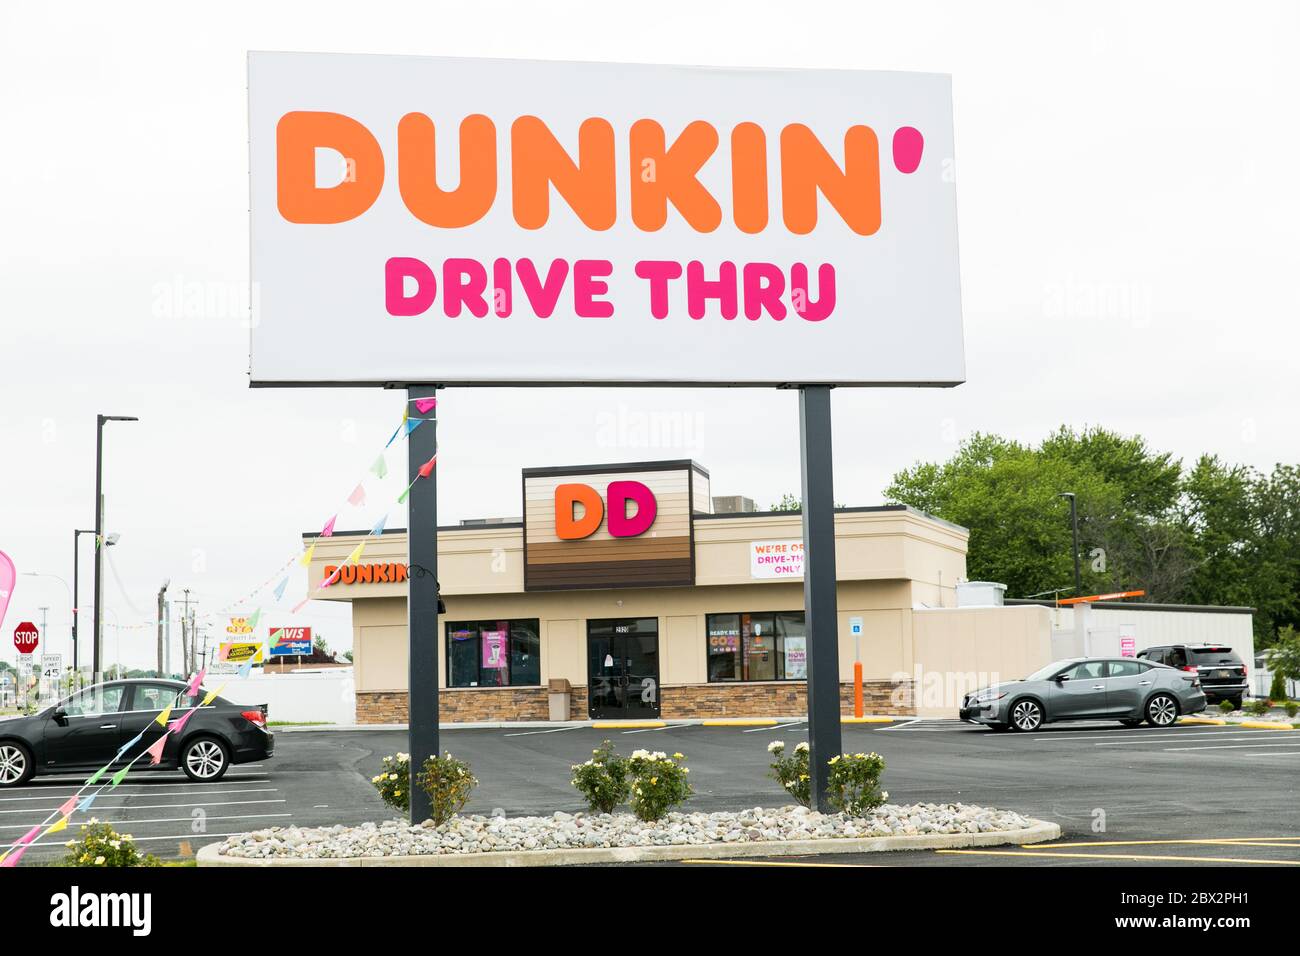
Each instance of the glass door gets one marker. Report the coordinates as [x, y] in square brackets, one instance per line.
[623, 668]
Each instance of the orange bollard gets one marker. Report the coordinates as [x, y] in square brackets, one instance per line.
[857, 688]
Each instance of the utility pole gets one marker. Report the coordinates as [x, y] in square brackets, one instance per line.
[185, 632]
[44, 640]
[162, 614]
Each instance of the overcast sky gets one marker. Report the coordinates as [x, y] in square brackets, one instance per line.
[1128, 209]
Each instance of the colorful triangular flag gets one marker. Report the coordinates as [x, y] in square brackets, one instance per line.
[213, 694]
[380, 467]
[328, 530]
[11, 858]
[179, 724]
[412, 424]
[68, 806]
[358, 496]
[86, 804]
[155, 750]
[279, 588]
[355, 556]
[58, 827]
[402, 497]
[427, 468]
[379, 525]
[121, 750]
[306, 555]
[94, 777]
[257, 616]
[119, 777]
[246, 668]
[422, 405]
[196, 681]
[161, 719]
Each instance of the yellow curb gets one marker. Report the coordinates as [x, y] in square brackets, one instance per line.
[1264, 725]
[867, 720]
[1203, 720]
[621, 724]
[740, 722]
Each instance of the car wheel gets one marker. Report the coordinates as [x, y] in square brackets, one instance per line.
[1132, 721]
[16, 766]
[1162, 710]
[1026, 715]
[205, 759]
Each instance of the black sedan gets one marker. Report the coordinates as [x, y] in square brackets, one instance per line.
[89, 729]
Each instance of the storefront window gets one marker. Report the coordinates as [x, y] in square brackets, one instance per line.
[757, 646]
[493, 654]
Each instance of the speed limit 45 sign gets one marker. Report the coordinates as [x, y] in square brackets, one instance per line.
[26, 637]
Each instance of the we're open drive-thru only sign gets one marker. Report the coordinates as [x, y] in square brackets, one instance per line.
[456, 221]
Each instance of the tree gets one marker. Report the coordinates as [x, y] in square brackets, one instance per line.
[788, 502]
[1212, 534]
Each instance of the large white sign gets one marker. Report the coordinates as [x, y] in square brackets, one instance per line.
[432, 220]
[775, 559]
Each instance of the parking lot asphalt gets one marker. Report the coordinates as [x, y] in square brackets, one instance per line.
[1187, 795]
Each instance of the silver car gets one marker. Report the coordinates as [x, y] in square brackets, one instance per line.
[1091, 688]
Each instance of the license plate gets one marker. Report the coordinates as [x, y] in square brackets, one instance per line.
[1223, 674]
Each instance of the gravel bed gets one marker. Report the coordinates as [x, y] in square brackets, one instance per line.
[480, 834]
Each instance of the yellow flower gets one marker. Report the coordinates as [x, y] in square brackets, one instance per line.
[653, 781]
[99, 861]
[678, 756]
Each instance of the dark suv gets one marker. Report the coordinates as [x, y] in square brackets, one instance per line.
[1223, 675]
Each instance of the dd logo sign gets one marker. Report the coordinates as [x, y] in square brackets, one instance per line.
[570, 525]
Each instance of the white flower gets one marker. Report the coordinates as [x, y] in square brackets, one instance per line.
[801, 747]
[775, 746]
[99, 861]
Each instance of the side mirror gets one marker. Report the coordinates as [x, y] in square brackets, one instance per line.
[1061, 678]
[60, 715]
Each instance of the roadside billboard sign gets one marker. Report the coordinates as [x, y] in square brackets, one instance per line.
[608, 224]
[290, 641]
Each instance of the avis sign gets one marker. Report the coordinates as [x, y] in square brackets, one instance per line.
[26, 637]
[290, 641]
[520, 222]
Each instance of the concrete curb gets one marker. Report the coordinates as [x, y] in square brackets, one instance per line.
[597, 724]
[1228, 722]
[1264, 725]
[1038, 832]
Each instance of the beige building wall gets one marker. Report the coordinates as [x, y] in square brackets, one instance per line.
[897, 571]
[958, 650]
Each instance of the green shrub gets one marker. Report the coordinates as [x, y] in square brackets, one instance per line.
[448, 783]
[100, 845]
[394, 782]
[1226, 706]
[792, 772]
[1277, 689]
[1292, 708]
[658, 783]
[854, 784]
[602, 780]
[1258, 707]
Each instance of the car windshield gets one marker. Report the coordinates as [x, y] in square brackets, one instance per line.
[1045, 672]
[1213, 655]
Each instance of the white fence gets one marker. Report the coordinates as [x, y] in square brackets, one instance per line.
[327, 696]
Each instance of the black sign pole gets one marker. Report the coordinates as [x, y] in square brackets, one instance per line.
[820, 611]
[422, 599]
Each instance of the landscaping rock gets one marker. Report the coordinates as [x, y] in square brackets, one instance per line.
[484, 834]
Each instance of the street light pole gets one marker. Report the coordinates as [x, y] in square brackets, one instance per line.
[99, 531]
[1074, 533]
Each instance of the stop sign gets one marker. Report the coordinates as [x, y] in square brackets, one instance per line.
[26, 637]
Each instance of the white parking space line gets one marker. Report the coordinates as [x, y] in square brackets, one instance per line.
[902, 725]
[530, 733]
[124, 796]
[156, 806]
[1152, 734]
[1244, 735]
[791, 726]
[140, 823]
[1202, 749]
[1280, 753]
